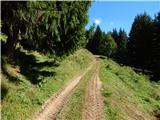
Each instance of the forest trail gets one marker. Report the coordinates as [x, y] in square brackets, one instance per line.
[55, 103]
[93, 109]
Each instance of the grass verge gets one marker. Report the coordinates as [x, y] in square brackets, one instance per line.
[127, 94]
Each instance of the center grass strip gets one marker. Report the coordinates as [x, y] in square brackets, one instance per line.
[74, 106]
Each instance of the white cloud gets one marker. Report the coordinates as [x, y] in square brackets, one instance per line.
[97, 21]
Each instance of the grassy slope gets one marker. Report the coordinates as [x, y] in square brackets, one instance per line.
[21, 98]
[75, 105]
[128, 95]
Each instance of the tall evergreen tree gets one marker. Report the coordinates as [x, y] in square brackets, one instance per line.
[122, 45]
[89, 35]
[155, 52]
[107, 45]
[12, 25]
[51, 26]
[61, 27]
[115, 35]
[95, 41]
[121, 40]
[140, 40]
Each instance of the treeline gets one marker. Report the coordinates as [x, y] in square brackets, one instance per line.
[53, 27]
[58, 28]
[111, 44]
[144, 43]
[140, 49]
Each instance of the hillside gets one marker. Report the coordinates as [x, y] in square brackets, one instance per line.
[21, 96]
[126, 94]
[80, 60]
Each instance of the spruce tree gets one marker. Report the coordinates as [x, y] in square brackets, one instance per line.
[155, 51]
[140, 40]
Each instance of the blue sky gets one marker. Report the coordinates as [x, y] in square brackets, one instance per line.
[113, 14]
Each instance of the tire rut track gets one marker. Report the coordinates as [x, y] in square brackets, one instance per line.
[55, 103]
[93, 109]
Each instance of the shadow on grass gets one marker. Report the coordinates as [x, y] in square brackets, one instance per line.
[155, 77]
[31, 68]
[147, 70]
[9, 75]
[4, 91]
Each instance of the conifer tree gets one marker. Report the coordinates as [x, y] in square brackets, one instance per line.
[140, 40]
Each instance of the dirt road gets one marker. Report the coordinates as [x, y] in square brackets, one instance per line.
[93, 101]
[53, 105]
[93, 107]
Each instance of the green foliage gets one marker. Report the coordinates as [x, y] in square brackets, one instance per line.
[3, 38]
[121, 40]
[155, 54]
[12, 25]
[140, 39]
[100, 42]
[111, 112]
[52, 26]
[90, 33]
[65, 28]
[143, 43]
[94, 40]
[107, 46]
[122, 44]
[123, 87]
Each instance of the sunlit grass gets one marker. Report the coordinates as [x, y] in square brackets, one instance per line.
[22, 98]
[123, 88]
